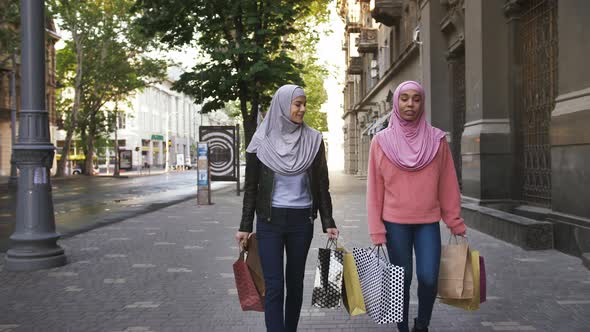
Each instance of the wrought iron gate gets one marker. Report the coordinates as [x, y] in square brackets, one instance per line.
[539, 79]
[458, 107]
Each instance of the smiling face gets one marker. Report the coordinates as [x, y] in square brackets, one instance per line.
[410, 105]
[298, 109]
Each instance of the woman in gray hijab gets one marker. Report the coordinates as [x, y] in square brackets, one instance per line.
[286, 185]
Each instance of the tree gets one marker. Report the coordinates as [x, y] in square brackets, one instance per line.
[247, 46]
[104, 62]
[313, 74]
[9, 22]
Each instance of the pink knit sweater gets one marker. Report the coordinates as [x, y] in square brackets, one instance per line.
[419, 197]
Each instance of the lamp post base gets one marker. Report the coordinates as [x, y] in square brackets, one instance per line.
[32, 259]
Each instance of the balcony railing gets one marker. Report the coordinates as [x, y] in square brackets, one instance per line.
[367, 42]
[355, 65]
[353, 25]
[388, 12]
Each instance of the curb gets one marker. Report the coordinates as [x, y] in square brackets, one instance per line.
[151, 208]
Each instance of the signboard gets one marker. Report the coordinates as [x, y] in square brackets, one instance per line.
[202, 151]
[222, 151]
[202, 164]
[202, 179]
[203, 184]
[125, 159]
[180, 159]
[157, 138]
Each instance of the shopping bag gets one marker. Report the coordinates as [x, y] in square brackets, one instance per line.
[382, 285]
[352, 295]
[455, 277]
[327, 287]
[482, 280]
[473, 302]
[253, 262]
[250, 299]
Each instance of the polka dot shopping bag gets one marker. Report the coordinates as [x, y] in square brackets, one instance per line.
[382, 284]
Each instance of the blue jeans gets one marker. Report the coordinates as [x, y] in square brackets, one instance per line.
[290, 230]
[425, 240]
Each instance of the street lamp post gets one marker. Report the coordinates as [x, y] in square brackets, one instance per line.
[34, 242]
[13, 176]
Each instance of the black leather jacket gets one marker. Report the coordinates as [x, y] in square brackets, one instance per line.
[259, 187]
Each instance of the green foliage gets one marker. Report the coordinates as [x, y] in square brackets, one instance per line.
[247, 46]
[9, 22]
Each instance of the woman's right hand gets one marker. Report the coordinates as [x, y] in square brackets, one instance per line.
[242, 238]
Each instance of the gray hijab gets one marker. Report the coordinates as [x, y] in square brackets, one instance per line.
[285, 147]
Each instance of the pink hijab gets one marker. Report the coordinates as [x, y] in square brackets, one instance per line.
[410, 145]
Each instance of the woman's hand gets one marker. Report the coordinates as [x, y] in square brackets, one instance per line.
[242, 238]
[462, 234]
[332, 233]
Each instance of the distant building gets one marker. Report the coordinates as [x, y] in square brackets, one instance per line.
[159, 127]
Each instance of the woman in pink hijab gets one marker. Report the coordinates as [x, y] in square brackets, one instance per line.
[411, 186]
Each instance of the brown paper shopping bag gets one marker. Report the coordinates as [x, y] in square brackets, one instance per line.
[253, 262]
[473, 302]
[455, 277]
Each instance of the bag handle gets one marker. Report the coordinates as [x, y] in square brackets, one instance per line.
[379, 250]
[332, 242]
[456, 238]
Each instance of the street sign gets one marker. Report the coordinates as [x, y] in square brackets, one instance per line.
[157, 138]
[203, 183]
[202, 151]
[203, 179]
[125, 159]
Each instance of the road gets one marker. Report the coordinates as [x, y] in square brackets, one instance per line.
[82, 203]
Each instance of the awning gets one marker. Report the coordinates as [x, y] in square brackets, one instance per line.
[377, 126]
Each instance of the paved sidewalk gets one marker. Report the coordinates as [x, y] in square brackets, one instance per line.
[170, 270]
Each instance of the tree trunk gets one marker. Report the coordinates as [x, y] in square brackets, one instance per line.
[250, 123]
[89, 153]
[73, 123]
[116, 173]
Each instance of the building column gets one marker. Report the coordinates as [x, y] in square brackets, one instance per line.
[435, 78]
[570, 140]
[345, 147]
[351, 143]
[486, 144]
[160, 153]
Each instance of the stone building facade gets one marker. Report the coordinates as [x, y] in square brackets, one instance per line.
[506, 80]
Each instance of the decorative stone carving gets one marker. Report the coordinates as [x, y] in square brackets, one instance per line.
[388, 12]
[367, 42]
[513, 8]
[355, 66]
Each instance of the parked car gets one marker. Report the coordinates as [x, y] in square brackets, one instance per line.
[78, 170]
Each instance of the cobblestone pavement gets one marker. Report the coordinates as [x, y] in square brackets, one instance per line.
[171, 270]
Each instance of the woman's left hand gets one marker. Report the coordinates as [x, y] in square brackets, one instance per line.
[332, 233]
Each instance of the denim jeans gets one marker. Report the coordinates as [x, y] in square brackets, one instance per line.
[290, 231]
[424, 239]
